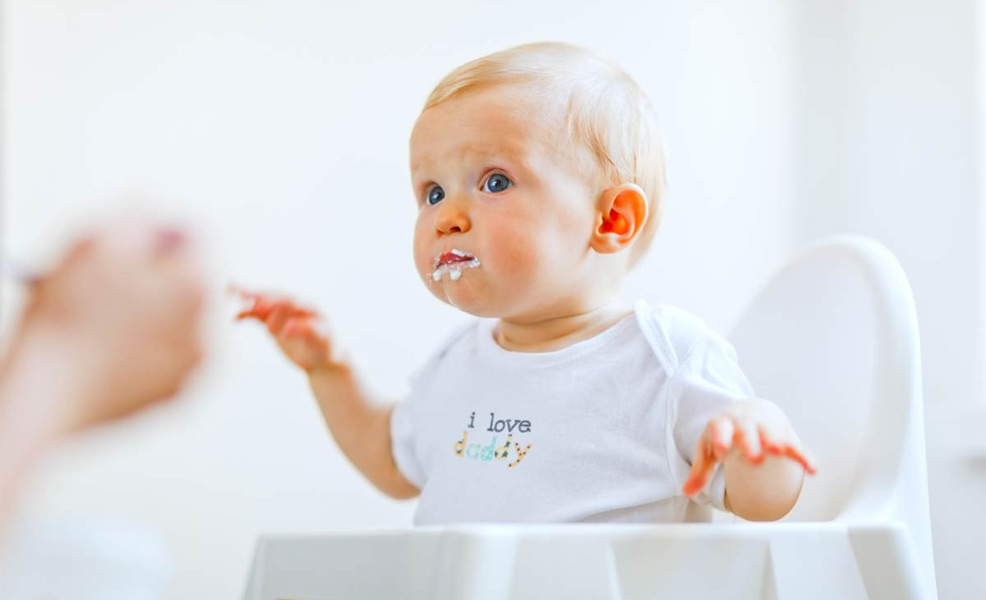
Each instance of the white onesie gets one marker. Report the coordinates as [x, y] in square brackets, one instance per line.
[603, 430]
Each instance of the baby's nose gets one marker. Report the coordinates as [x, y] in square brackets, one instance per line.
[452, 218]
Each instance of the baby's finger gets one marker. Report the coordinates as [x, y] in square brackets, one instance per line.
[300, 312]
[311, 328]
[705, 462]
[774, 445]
[720, 431]
[695, 484]
[267, 307]
[277, 318]
[249, 313]
[748, 438]
[770, 439]
[293, 328]
[299, 326]
[795, 453]
[697, 479]
[261, 308]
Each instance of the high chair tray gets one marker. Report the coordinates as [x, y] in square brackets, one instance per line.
[572, 562]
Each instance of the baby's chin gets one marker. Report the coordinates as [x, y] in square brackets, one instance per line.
[466, 294]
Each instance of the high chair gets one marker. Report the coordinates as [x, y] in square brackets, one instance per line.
[833, 340]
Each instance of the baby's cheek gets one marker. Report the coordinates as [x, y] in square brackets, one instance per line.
[420, 251]
[519, 259]
[548, 260]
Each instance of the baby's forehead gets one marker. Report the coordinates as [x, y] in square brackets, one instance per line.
[497, 122]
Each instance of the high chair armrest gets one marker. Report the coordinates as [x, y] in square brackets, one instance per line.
[775, 560]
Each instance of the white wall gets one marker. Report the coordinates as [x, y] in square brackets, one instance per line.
[280, 128]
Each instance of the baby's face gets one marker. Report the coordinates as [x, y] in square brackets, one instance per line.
[504, 219]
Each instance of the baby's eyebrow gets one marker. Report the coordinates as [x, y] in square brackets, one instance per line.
[515, 156]
[496, 153]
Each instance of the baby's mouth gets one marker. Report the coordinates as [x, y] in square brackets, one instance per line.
[452, 262]
[452, 256]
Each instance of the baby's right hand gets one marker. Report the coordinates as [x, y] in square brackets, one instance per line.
[299, 331]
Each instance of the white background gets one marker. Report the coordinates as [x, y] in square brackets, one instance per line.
[280, 130]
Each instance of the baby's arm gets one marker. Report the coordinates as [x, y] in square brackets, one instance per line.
[762, 456]
[359, 424]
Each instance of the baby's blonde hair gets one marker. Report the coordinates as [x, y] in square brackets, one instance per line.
[607, 112]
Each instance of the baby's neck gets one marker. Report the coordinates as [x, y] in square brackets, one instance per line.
[558, 332]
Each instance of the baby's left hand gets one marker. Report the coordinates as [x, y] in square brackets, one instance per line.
[750, 428]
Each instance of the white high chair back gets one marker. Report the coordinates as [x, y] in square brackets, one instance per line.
[833, 340]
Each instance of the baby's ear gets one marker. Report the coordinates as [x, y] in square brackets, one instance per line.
[620, 216]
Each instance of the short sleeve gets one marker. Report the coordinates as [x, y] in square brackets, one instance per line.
[705, 383]
[404, 420]
[402, 433]
[402, 444]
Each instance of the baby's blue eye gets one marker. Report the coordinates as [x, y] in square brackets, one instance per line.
[435, 195]
[496, 183]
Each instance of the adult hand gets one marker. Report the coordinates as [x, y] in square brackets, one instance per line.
[117, 321]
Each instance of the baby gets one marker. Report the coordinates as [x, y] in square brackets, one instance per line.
[538, 177]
